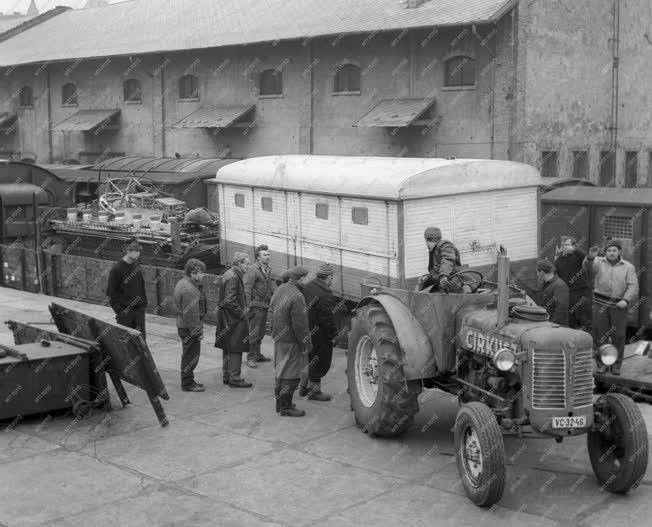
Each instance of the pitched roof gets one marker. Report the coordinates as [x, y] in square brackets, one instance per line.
[150, 26]
[10, 22]
[387, 178]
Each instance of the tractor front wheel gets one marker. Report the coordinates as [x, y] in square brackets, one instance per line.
[480, 454]
[383, 401]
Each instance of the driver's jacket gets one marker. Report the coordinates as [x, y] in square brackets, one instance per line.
[443, 260]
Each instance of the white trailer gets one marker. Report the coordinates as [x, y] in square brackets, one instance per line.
[366, 215]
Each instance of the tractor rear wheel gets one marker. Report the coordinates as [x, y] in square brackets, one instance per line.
[383, 401]
[618, 448]
[480, 454]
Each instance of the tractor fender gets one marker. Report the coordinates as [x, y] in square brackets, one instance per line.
[418, 356]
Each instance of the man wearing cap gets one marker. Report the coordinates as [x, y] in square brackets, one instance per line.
[232, 331]
[323, 307]
[292, 343]
[554, 293]
[126, 289]
[615, 289]
[568, 265]
[259, 288]
[443, 260]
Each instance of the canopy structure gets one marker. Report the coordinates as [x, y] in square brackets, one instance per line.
[396, 113]
[217, 117]
[386, 178]
[89, 120]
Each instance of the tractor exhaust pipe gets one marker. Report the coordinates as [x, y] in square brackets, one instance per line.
[502, 304]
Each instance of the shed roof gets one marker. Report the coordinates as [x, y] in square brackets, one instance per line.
[387, 178]
[21, 194]
[150, 26]
[634, 197]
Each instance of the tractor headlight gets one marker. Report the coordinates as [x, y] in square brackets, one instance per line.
[504, 359]
[608, 354]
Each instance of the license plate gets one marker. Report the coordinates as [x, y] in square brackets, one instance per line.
[569, 422]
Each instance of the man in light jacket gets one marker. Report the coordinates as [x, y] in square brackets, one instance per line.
[259, 288]
[190, 303]
[615, 290]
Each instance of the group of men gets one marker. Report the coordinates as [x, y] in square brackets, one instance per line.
[304, 313]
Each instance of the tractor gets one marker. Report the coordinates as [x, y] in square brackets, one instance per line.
[513, 371]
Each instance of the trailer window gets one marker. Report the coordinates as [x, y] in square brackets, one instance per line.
[267, 204]
[240, 200]
[621, 227]
[321, 211]
[360, 215]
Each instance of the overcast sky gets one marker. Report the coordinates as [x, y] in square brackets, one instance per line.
[9, 6]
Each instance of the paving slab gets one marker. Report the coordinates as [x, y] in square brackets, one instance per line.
[182, 449]
[165, 507]
[419, 505]
[15, 445]
[58, 483]
[292, 487]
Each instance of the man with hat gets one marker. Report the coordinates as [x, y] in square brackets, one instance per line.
[554, 293]
[232, 331]
[259, 288]
[615, 289]
[443, 260]
[291, 335]
[568, 265]
[323, 307]
[126, 289]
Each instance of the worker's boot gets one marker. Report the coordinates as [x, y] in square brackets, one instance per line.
[287, 392]
[315, 393]
[303, 385]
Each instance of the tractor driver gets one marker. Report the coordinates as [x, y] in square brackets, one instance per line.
[443, 260]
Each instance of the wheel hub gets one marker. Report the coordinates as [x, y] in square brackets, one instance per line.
[366, 371]
[472, 455]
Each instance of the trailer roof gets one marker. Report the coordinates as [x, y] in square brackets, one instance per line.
[387, 178]
[634, 197]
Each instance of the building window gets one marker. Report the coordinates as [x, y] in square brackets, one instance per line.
[240, 200]
[189, 87]
[132, 91]
[347, 79]
[607, 168]
[549, 166]
[321, 211]
[267, 204]
[360, 215]
[69, 94]
[459, 71]
[631, 169]
[580, 164]
[26, 98]
[271, 82]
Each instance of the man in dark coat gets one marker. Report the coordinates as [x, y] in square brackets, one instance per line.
[443, 260]
[292, 342]
[232, 331]
[554, 293]
[323, 307]
[568, 265]
[190, 303]
[259, 288]
[126, 289]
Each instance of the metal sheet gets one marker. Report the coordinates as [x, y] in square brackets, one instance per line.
[85, 120]
[214, 116]
[395, 112]
[634, 197]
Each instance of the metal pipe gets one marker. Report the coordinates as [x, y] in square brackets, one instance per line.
[502, 307]
[49, 101]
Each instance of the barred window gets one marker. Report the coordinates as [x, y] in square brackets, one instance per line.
[69, 94]
[580, 164]
[132, 91]
[271, 82]
[621, 227]
[188, 87]
[607, 168]
[347, 79]
[240, 200]
[549, 165]
[360, 215]
[460, 71]
[631, 169]
[321, 211]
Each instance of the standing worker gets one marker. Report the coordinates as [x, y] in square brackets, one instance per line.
[554, 293]
[443, 260]
[291, 336]
[259, 288]
[568, 265]
[190, 303]
[126, 289]
[232, 331]
[615, 289]
[322, 310]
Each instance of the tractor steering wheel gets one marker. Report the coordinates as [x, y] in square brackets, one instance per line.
[467, 283]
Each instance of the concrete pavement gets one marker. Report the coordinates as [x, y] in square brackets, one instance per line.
[227, 459]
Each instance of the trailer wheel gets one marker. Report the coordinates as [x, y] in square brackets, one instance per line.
[618, 448]
[383, 401]
[480, 454]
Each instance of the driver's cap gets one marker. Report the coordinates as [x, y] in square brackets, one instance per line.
[432, 233]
